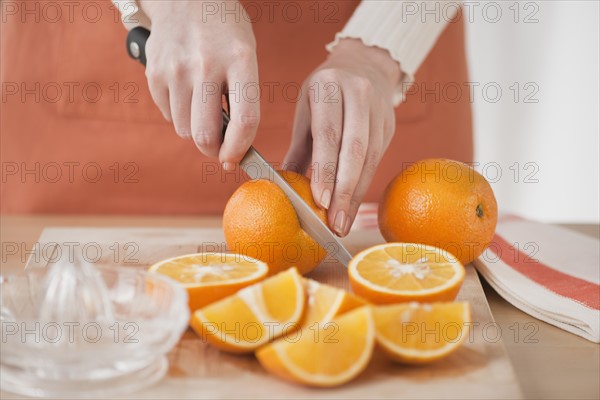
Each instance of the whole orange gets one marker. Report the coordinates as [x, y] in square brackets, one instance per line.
[441, 203]
[259, 221]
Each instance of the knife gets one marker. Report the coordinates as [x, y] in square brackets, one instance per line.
[256, 167]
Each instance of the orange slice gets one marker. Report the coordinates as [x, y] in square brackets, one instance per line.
[403, 272]
[253, 316]
[209, 277]
[325, 302]
[330, 356]
[415, 333]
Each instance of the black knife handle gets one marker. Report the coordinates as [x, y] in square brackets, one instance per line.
[136, 48]
[136, 43]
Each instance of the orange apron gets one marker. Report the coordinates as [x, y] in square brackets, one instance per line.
[80, 133]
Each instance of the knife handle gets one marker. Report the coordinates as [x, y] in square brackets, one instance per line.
[136, 43]
[136, 48]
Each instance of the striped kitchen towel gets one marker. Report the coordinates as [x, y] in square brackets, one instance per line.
[366, 217]
[549, 272]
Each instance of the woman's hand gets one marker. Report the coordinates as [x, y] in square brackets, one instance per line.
[344, 122]
[195, 53]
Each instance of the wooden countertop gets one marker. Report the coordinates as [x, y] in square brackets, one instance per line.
[549, 362]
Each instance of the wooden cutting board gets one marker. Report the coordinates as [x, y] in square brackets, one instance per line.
[480, 369]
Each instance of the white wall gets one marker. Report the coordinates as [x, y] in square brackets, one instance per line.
[558, 135]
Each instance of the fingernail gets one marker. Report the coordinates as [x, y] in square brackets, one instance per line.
[326, 198]
[340, 222]
[348, 226]
[227, 166]
[184, 135]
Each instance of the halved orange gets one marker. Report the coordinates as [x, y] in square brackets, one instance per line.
[209, 277]
[253, 316]
[329, 356]
[404, 272]
[415, 333]
[325, 302]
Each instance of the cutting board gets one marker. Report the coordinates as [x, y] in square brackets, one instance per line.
[479, 369]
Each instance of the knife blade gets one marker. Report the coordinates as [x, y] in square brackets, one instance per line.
[256, 167]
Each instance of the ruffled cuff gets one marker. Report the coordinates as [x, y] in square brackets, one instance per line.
[404, 28]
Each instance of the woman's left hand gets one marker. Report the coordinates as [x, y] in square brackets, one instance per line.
[344, 122]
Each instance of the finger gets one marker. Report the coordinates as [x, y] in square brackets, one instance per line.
[298, 155]
[159, 91]
[207, 118]
[372, 159]
[326, 127]
[180, 101]
[244, 114]
[355, 139]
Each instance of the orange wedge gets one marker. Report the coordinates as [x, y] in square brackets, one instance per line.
[404, 272]
[325, 302]
[329, 356]
[415, 333]
[253, 316]
[209, 277]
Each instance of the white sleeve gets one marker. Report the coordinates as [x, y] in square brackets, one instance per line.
[407, 29]
[131, 14]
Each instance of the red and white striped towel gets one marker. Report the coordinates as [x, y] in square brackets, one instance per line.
[549, 272]
[366, 217]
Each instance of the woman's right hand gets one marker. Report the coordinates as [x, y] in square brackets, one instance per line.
[197, 51]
